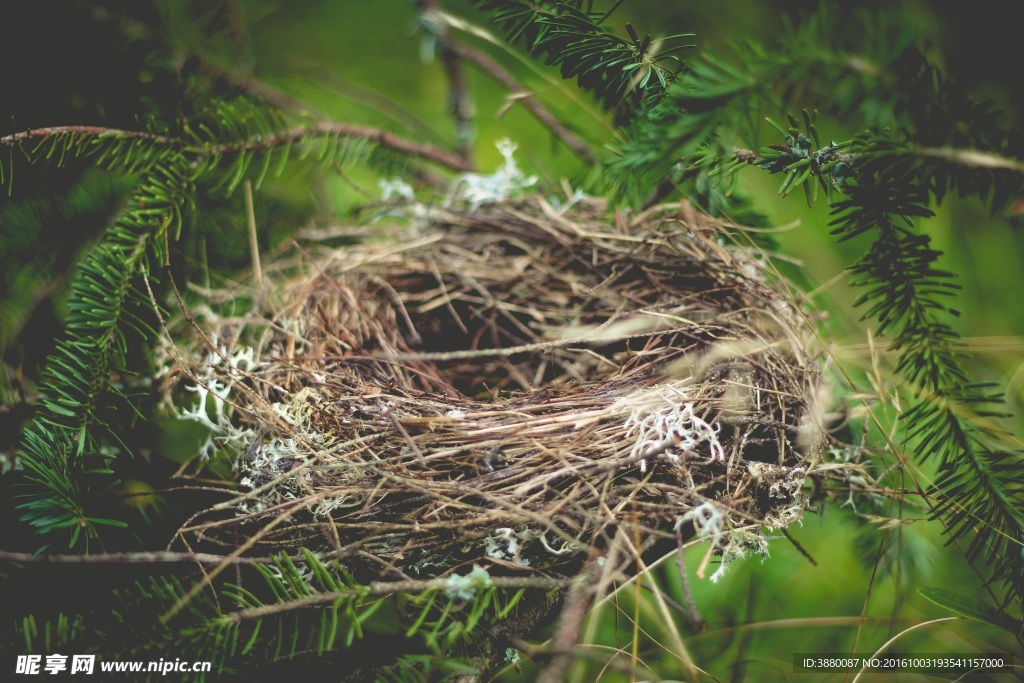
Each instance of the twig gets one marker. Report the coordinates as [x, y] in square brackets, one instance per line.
[570, 621]
[85, 130]
[460, 105]
[526, 98]
[383, 588]
[689, 607]
[799, 547]
[973, 158]
[380, 137]
[155, 557]
[757, 420]
[506, 351]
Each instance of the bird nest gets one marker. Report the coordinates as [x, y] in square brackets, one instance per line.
[509, 386]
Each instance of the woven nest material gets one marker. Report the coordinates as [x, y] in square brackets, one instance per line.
[512, 387]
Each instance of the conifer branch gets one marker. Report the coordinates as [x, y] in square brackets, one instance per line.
[880, 184]
[374, 135]
[142, 557]
[260, 143]
[385, 588]
[64, 446]
[620, 72]
[84, 131]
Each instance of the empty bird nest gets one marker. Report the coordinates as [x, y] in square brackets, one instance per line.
[509, 386]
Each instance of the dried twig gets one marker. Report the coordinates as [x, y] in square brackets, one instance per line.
[459, 100]
[524, 97]
[570, 621]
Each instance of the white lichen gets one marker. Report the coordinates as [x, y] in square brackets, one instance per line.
[506, 544]
[325, 506]
[712, 522]
[466, 587]
[9, 462]
[213, 389]
[396, 188]
[478, 189]
[708, 521]
[661, 422]
[298, 410]
[561, 208]
[565, 548]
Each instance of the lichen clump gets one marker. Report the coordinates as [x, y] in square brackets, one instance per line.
[514, 386]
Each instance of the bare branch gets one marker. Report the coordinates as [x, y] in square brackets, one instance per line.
[570, 621]
[460, 103]
[526, 98]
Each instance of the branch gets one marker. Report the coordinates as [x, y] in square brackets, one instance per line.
[526, 98]
[570, 621]
[460, 103]
[97, 131]
[974, 158]
[383, 588]
[380, 137]
[158, 557]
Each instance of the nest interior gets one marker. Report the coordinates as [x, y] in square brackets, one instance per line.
[513, 386]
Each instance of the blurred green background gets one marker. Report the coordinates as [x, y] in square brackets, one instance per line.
[115, 63]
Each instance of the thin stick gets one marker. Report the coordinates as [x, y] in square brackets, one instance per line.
[460, 104]
[146, 557]
[526, 98]
[570, 621]
[380, 137]
[285, 137]
[94, 131]
[254, 246]
[383, 588]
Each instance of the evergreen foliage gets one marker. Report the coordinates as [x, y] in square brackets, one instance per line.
[622, 73]
[64, 448]
[925, 139]
[68, 449]
[296, 608]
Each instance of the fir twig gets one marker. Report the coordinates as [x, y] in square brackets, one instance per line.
[262, 143]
